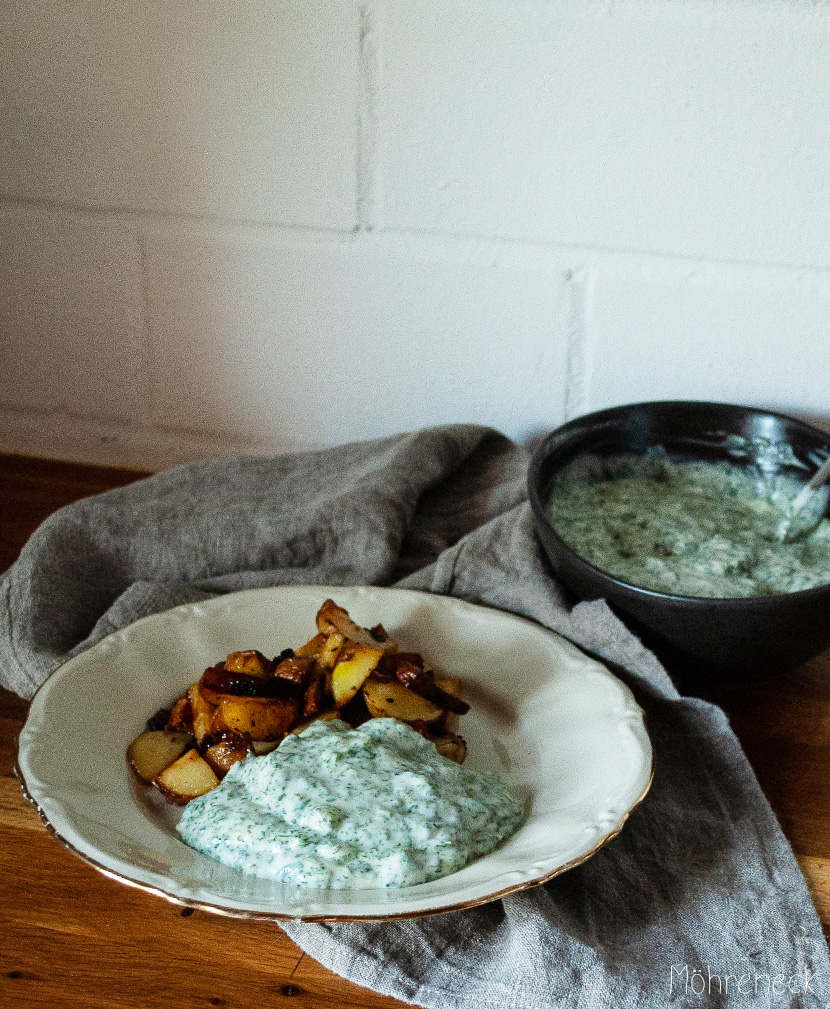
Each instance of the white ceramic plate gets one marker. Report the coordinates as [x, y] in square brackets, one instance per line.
[563, 730]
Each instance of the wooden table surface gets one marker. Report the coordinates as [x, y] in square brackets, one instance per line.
[73, 938]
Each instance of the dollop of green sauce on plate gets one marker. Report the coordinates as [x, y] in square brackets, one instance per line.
[339, 807]
[689, 528]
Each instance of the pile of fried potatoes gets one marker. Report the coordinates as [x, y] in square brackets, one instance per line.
[248, 704]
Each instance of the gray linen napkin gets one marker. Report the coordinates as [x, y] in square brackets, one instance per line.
[698, 902]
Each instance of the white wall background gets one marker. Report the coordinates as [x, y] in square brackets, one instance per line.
[275, 224]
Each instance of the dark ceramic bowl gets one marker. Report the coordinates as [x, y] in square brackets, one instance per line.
[736, 638]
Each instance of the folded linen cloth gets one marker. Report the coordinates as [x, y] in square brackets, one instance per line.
[698, 902]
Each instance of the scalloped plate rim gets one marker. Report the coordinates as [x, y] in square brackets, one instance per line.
[178, 895]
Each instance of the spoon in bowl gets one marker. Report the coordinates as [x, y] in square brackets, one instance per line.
[801, 519]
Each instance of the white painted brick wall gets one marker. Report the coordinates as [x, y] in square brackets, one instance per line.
[724, 334]
[243, 110]
[287, 224]
[71, 309]
[308, 341]
[696, 128]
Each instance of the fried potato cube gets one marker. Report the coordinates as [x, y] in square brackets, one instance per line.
[393, 700]
[229, 750]
[324, 648]
[181, 716]
[448, 744]
[263, 718]
[298, 671]
[202, 710]
[332, 618]
[217, 683]
[159, 720]
[330, 652]
[325, 717]
[151, 752]
[263, 746]
[186, 778]
[354, 665]
[314, 694]
[251, 662]
[208, 692]
[311, 649]
[451, 746]
[380, 634]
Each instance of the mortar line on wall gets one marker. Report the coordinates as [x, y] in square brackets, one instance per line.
[494, 248]
[150, 217]
[367, 118]
[579, 353]
[610, 254]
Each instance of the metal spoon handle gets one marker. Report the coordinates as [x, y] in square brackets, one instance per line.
[788, 528]
[818, 479]
[821, 474]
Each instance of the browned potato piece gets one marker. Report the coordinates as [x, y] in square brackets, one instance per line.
[181, 716]
[417, 679]
[394, 700]
[315, 694]
[324, 648]
[330, 652]
[251, 662]
[325, 717]
[451, 746]
[261, 717]
[151, 752]
[380, 634]
[332, 618]
[298, 670]
[355, 663]
[159, 720]
[186, 778]
[229, 750]
[311, 649]
[202, 712]
[263, 746]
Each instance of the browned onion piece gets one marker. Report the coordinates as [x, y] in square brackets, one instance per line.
[387, 667]
[158, 720]
[222, 681]
[420, 682]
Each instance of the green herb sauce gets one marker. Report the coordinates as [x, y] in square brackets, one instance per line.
[339, 807]
[689, 528]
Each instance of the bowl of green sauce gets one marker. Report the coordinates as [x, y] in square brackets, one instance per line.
[670, 512]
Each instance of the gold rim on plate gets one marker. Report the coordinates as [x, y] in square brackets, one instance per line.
[372, 914]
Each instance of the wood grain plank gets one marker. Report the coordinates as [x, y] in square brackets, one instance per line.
[817, 873]
[783, 716]
[31, 489]
[75, 938]
[67, 927]
[11, 707]
[796, 780]
[14, 813]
